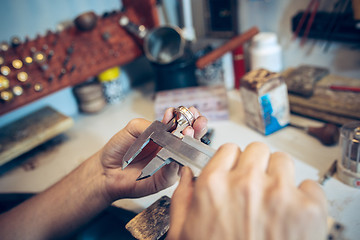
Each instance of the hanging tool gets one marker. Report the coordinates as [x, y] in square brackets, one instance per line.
[315, 5]
[339, 8]
[177, 147]
[328, 134]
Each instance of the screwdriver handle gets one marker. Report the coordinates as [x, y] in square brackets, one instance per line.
[328, 134]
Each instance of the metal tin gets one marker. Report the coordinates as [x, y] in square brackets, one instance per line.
[349, 163]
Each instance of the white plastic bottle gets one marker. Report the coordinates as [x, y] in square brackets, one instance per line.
[265, 52]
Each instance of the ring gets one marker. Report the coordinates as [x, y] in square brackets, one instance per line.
[184, 114]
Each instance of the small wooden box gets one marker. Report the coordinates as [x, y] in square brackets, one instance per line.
[265, 100]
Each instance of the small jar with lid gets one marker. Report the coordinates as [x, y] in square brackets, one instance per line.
[115, 85]
[265, 52]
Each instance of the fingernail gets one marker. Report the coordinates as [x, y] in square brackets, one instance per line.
[185, 171]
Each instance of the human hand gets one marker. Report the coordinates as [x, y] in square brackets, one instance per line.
[247, 195]
[120, 183]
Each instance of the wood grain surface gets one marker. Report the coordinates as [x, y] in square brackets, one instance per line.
[30, 131]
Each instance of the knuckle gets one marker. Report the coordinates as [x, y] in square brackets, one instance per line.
[307, 212]
[229, 147]
[246, 190]
[259, 145]
[211, 181]
[312, 210]
[279, 193]
[283, 158]
[134, 122]
[309, 184]
[282, 155]
[251, 176]
[248, 184]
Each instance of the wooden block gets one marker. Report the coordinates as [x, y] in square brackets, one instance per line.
[302, 80]
[153, 222]
[338, 107]
[30, 131]
[265, 98]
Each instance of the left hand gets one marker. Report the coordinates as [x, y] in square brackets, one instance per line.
[120, 183]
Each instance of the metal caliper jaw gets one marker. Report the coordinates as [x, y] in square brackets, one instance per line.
[184, 150]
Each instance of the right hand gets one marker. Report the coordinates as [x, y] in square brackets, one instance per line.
[247, 195]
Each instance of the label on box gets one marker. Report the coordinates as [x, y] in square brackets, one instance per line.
[268, 112]
[275, 109]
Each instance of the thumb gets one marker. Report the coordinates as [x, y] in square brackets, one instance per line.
[180, 203]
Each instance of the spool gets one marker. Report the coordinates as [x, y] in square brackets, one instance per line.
[90, 97]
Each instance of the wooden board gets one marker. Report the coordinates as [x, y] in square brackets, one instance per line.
[30, 131]
[338, 107]
[152, 223]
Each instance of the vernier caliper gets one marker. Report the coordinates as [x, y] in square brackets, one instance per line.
[175, 146]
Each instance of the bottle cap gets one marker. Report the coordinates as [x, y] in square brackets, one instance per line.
[109, 74]
[264, 39]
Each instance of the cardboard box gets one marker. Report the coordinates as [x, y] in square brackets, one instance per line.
[211, 101]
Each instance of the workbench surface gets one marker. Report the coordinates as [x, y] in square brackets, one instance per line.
[91, 132]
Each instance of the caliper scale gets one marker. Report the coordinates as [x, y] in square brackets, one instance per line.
[175, 146]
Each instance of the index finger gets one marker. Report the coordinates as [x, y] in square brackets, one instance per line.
[255, 157]
[223, 160]
[281, 167]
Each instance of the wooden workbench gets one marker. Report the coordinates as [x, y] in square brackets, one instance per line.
[91, 132]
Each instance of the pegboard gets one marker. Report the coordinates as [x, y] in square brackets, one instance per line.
[33, 69]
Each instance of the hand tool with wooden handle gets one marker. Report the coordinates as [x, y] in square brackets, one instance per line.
[328, 134]
[231, 45]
